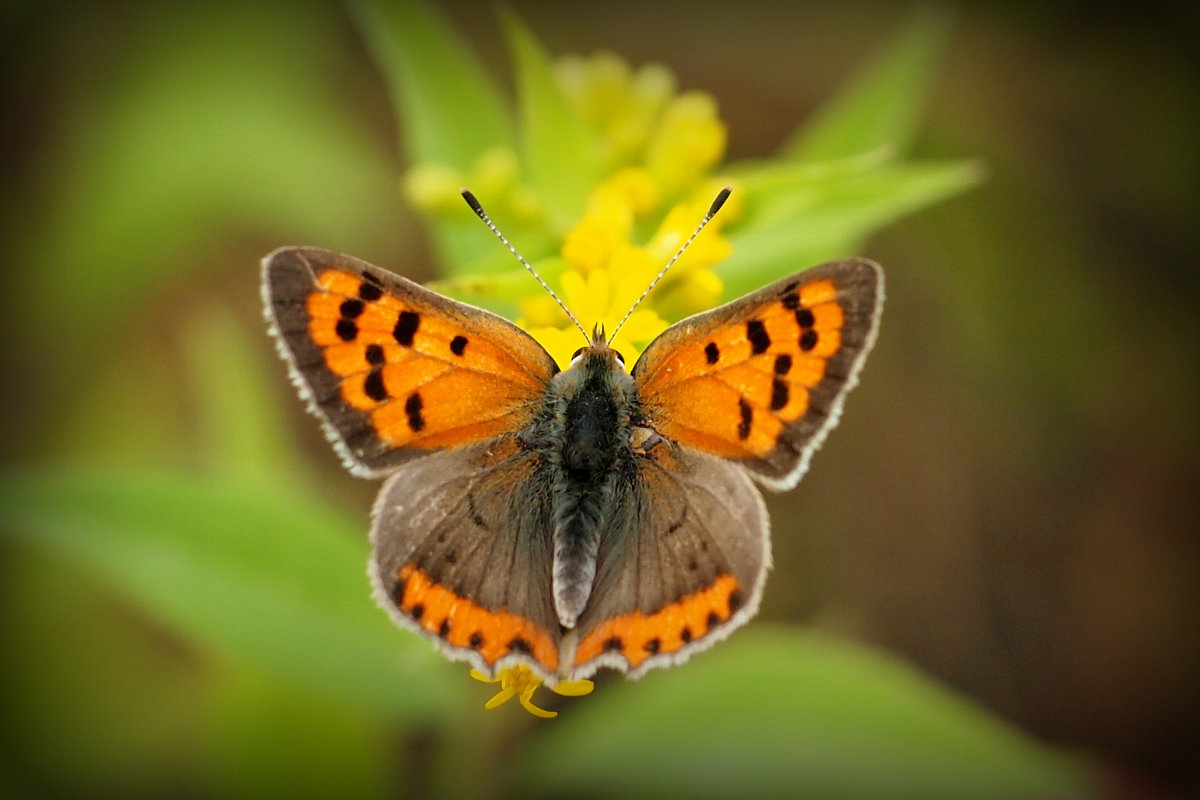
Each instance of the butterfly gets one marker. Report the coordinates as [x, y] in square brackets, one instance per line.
[568, 520]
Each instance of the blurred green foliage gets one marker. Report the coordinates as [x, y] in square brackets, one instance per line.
[216, 637]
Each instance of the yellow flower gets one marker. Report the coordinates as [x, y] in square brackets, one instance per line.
[433, 188]
[636, 187]
[660, 149]
[688, 141]
[590, 244]
[622, 104]
[608, 272]
[521, 682]
[436, 188]
[663, 147]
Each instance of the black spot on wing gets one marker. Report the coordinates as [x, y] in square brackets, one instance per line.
[747, 418]
[756, 332]
[779, 394]
[406, 327]
[412, 407]
[736, 600]
[373, 386]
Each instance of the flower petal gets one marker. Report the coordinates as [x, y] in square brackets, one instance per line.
[573, 688]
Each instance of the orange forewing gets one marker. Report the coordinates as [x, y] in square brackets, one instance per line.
[463, 397]
[756, 379]
[396, 365]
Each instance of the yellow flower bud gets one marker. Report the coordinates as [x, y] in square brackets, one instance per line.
[495, 172]
[637, 187]
[539, 310]
[590, 244]
[433, 188]
[689, 140]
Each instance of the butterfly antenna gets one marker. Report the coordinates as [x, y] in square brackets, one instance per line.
[478, 209]
[722, 196]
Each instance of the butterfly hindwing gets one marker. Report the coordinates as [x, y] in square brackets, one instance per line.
[395, 370]
[681, 563]
[462, 554]
[761, 380]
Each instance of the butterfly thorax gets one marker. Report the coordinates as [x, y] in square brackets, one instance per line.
[583, 433]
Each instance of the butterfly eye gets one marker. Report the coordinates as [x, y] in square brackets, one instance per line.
[620, 357]
[575, 356]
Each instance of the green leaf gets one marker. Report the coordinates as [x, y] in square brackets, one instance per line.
[450, 113]
[784, 713]
[443, 97]
[239, 427]
[882, 105]
[760, 179]
[563, 156]
[801, 225]
[270, 578]
[501, 292]
[94, 704]
[270, 741]
[211, 122]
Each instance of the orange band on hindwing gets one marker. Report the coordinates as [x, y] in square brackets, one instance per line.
[462, 623]
[638, 636]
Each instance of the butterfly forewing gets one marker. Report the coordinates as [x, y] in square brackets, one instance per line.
[761, 380]
[393, 369]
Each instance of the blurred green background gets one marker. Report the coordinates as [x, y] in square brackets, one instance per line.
[985, 587]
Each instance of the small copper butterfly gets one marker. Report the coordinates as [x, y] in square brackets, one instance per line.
[568, 520]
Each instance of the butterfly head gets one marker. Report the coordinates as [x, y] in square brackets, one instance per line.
[598, 353]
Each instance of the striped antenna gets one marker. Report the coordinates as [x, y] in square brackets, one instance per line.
[478, 209]
[722, 196]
